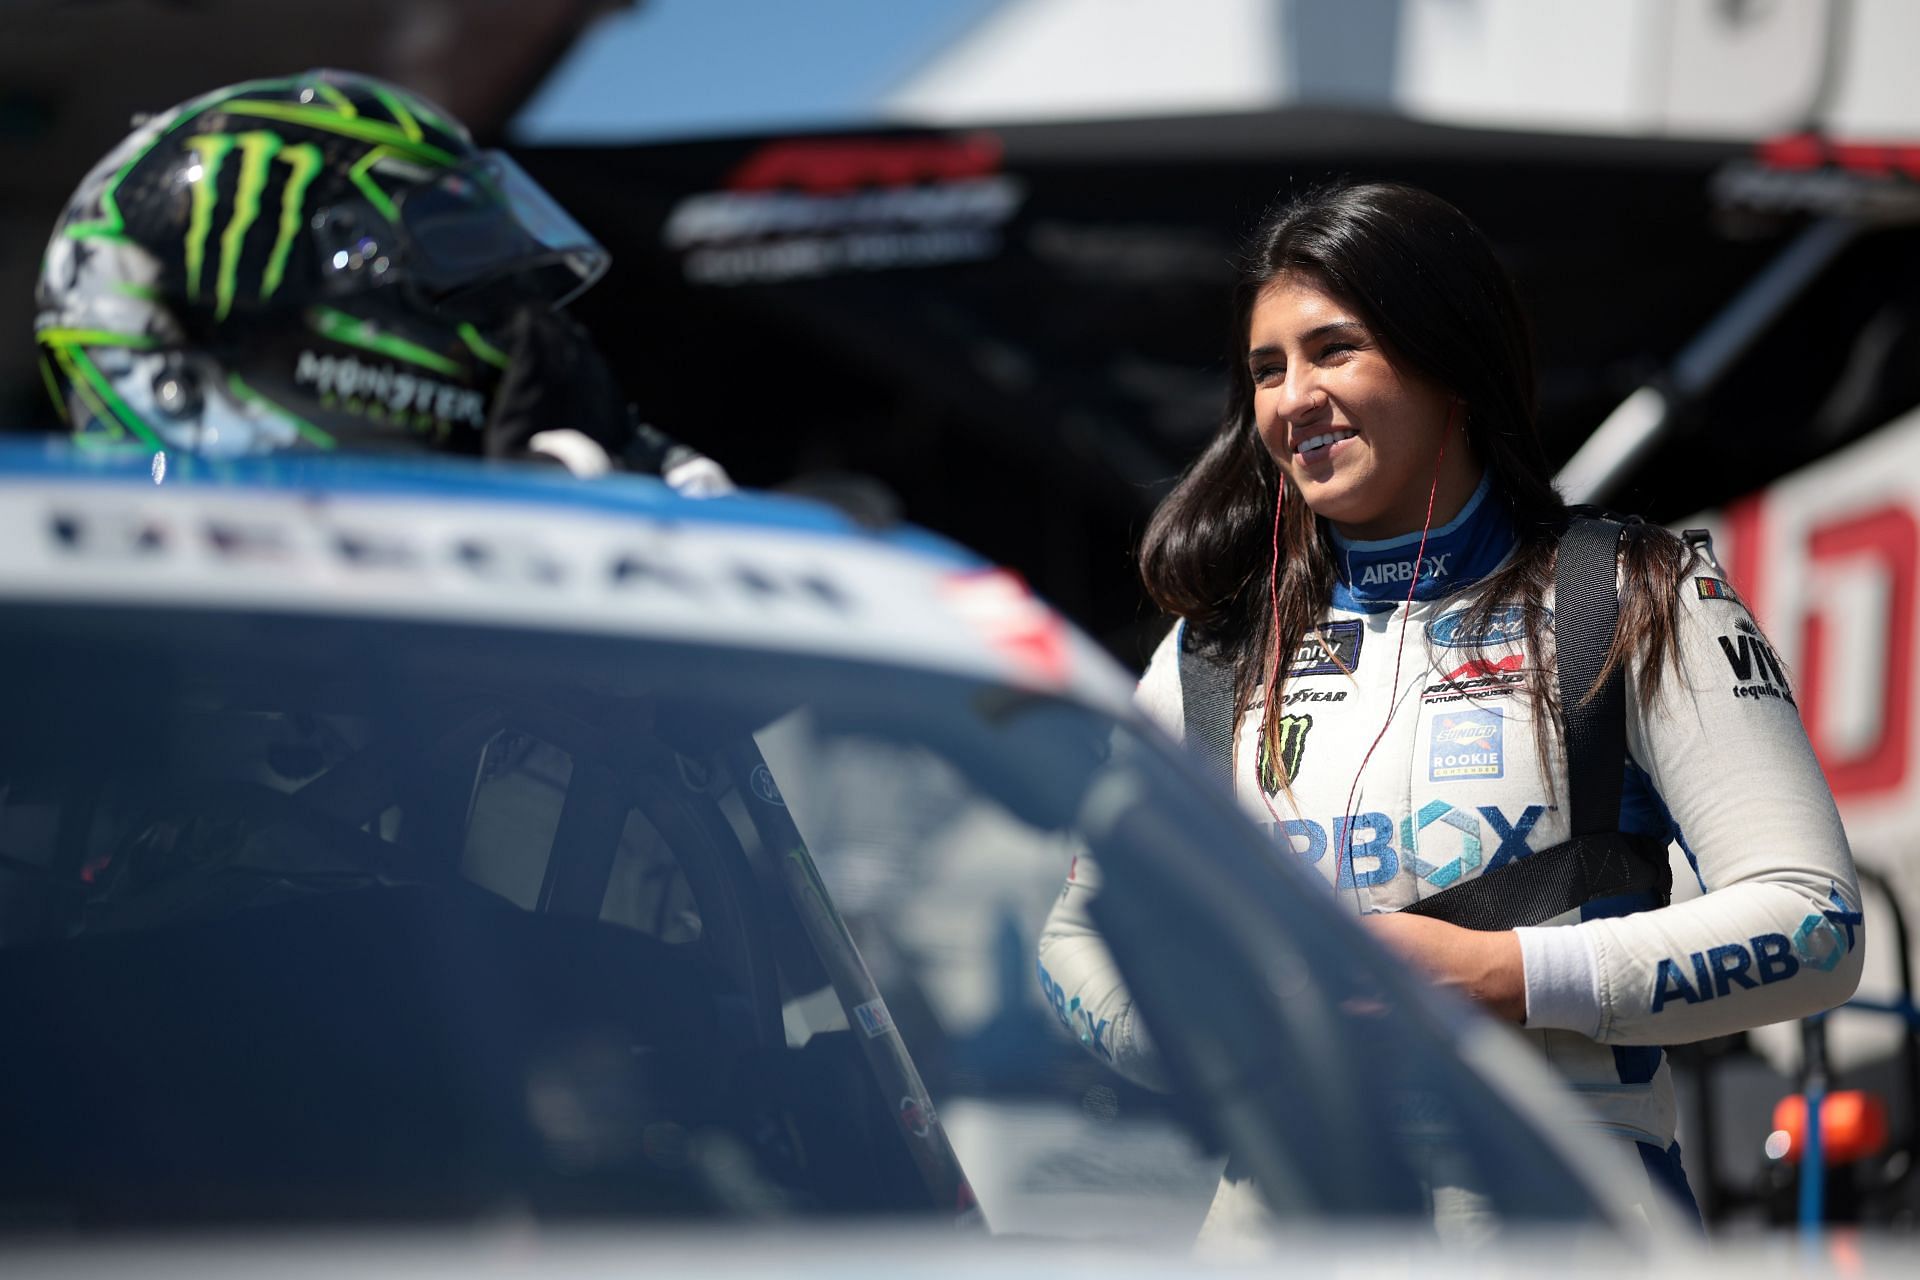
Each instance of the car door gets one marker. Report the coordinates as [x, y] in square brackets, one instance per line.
[1342, 1087]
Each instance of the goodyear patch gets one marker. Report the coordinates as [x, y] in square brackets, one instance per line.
[1467, 744]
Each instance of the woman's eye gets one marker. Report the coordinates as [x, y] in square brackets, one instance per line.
[1268, 373]
[1334, 349]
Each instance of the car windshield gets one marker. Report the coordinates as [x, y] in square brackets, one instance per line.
[312, 918]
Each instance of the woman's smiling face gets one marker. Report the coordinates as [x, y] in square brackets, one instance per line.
[1358, 434]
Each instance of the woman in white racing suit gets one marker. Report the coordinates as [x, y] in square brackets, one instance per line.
[1369, 544]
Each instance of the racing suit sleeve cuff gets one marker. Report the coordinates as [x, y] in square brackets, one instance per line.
[1563, 979]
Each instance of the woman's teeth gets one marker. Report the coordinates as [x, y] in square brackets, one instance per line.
[1323, 441]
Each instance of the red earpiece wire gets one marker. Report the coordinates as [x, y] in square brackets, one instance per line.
[1273, 672]
[1393, 700]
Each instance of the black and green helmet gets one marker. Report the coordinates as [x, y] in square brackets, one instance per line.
[314, 262]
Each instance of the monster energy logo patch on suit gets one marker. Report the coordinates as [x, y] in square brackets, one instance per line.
[1292, 732]
[1335, 651]
[262, 154]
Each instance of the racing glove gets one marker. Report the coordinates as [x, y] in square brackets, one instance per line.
[558, 400]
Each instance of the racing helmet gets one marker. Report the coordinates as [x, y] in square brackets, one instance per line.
[314, 262]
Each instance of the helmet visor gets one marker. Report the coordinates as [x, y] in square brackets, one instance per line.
[486, 222]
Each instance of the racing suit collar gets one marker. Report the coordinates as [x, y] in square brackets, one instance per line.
[1374, 576]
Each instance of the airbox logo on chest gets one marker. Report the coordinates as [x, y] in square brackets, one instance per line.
[1466, 744]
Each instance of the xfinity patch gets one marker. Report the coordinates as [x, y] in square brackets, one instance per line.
[1466, 744]
[1335, 651]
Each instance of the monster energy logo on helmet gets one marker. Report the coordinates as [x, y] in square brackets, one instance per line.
[336, 134]
[259, 151]
[336, 209]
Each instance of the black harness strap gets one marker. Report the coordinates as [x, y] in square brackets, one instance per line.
[1586, 614]
[1598, 860]
[1206, 706]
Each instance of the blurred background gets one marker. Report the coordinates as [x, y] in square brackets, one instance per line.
[978, 253]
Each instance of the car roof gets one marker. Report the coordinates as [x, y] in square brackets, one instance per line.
[468, 542]
[431, 477]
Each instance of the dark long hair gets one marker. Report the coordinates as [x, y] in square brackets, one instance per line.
[1427, 283]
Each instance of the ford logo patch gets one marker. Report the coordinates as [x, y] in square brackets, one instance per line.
[1508, 625]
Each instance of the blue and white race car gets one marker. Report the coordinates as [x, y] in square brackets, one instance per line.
[418, 842]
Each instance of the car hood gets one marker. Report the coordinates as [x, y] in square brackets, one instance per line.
[507, 1250]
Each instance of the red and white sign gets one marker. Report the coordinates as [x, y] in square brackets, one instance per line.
[1828, 559]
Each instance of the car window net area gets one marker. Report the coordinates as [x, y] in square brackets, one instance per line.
[317, 920]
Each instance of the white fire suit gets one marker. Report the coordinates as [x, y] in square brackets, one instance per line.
[1718, 762]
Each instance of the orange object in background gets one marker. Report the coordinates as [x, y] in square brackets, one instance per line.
[1853, 1126]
